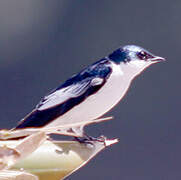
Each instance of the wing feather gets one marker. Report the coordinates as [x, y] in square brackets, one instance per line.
[62, 95]
[69, 94]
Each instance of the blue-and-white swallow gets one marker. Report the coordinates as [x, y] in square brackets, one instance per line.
[92, 92]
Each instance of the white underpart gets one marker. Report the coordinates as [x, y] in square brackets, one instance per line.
[105, 99]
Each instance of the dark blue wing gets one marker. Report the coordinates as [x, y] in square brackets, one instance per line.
[68, 95]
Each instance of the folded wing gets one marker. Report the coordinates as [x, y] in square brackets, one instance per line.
[68, 95]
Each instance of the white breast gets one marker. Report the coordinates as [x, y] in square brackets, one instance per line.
[99, 103]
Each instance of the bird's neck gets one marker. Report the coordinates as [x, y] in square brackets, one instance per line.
[131, 71]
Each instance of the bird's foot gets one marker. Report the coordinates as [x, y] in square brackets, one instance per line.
[82, 140]
[89, 139]
[99, 139]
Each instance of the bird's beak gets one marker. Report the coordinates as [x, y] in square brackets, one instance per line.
[157, 59]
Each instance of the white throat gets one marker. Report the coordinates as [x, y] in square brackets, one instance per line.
[134, 68]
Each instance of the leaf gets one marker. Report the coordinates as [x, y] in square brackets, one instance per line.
[55, 160]
[19, 149]
[16, 175]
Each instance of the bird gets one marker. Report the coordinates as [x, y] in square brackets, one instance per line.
[92, 92]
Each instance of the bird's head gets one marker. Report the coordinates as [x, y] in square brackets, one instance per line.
[133, 59]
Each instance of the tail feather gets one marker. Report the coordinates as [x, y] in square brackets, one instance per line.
[35, 119]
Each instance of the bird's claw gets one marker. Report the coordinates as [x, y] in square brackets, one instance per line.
[83, 141]
[90, 139]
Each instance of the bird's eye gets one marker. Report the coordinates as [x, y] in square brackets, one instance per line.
[144, 56]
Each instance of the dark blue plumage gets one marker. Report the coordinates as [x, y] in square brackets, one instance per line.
[39, 118]
[98, 69]
[119, 55]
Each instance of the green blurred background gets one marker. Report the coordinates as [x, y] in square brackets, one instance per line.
[42, 43]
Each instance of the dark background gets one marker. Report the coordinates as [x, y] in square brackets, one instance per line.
[42, 43]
